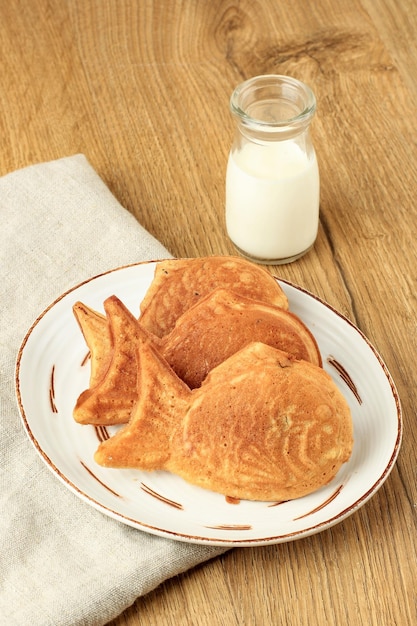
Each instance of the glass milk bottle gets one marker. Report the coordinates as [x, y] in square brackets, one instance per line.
[272, 180]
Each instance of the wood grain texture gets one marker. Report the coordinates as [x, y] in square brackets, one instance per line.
[142, 88]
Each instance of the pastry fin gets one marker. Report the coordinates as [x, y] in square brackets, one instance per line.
[144, 443]
[112, 399]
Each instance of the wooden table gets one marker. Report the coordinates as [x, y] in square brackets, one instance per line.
[142, 88]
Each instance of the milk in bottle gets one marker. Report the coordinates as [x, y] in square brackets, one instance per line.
[272, 179]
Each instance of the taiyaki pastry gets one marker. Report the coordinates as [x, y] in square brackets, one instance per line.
[204, 336]
[180, 283]
[222, 323]
[262, 426]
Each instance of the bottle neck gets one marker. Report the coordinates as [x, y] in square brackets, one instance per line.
[272, 107]
[251, 130]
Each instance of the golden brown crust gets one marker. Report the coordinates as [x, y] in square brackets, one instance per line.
[279, 428]
[222, 323]
[96, 333]
[263, 421]
[145, 441]
[111, 400]
[179, 283]
[263, 426]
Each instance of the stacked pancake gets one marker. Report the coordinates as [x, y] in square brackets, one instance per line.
[217, 382]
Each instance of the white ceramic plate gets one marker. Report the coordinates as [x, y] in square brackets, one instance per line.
[51, 372]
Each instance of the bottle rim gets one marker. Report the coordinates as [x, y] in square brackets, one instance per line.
[285, 88]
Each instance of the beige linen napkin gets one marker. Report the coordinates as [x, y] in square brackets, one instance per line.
[61, 561]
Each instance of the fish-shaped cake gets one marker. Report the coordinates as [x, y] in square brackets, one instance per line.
[178, 284]
[222, 323]
[262, 426]
[209, 332]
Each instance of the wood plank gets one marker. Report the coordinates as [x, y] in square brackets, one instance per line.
[142, 88]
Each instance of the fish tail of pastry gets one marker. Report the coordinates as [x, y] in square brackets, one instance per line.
[96, 332]
[110, 400]
[145, 442]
